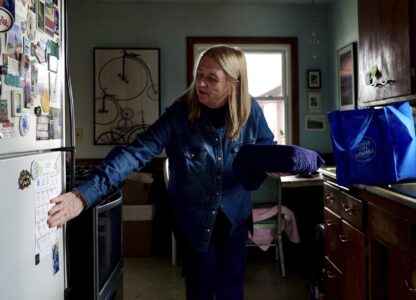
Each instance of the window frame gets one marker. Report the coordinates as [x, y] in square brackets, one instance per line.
[193, 42]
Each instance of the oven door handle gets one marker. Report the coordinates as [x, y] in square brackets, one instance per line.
[109, 205]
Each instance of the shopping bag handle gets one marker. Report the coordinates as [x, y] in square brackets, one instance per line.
[363, 129]
[405, 119]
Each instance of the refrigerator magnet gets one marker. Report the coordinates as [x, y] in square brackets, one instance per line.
[25, 179]
[52, 63]
[55, 258]
[4, 111]
[17, 103]
[6, 19]
[34, 169]
[24, 125]
[45, 101]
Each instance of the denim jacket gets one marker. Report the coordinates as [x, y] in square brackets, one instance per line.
[202, 179]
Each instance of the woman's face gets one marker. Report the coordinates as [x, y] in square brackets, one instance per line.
[212, 86]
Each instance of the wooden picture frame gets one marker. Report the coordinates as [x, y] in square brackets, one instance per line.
[314, 101]
[126, 93]
[314, 79]
[347, 77]
[315, 123]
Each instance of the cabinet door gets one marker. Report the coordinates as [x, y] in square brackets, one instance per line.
[332, 231]
[353, 263]
[385, 43]
[401, 277]
[388, 228]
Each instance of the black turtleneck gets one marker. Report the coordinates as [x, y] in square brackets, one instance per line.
[216, 115]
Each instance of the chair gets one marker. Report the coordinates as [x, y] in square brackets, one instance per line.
[266, 198]
[166, 178]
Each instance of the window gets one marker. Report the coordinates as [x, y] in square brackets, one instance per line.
[267, 84]
[271, 62]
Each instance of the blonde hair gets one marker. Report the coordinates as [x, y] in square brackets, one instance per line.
[233, 63]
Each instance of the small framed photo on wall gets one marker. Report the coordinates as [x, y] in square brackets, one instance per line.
[315, 123]
[314, 79]
[314, 101]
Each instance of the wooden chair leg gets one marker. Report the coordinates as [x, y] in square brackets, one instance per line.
[281, 256]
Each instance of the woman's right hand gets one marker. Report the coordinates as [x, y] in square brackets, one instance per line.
[66, 207]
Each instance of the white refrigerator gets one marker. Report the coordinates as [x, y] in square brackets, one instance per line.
[33, 150]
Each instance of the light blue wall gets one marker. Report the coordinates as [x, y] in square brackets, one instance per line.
[343, 19]
[342, 30]
[166, 26]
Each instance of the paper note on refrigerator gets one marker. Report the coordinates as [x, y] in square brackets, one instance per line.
[47, 179]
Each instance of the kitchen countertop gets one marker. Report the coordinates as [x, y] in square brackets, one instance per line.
[300, 181]
[381, 191]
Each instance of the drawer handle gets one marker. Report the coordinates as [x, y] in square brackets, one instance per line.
[329, 223]
[410, 287]
[347, 209]
[343, 239]
[330, 274]
[330, 197]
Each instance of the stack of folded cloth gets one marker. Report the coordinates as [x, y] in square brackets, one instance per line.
[253, 161]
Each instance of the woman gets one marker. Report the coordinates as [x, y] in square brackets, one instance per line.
[202, 132]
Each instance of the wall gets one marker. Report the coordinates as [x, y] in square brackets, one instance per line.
[166, 26]
[343, 19]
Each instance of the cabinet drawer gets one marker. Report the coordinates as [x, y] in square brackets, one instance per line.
[332, 232]
[352, 210]
[390, 229]
[332, 197]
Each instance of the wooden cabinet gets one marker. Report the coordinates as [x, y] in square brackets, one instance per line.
[386, 42]
[370, 244]
[345, 245]
[392, 250]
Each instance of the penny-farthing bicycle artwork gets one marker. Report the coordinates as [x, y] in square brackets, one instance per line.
[126, 93]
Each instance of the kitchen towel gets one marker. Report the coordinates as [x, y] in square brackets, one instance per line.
[263, 237]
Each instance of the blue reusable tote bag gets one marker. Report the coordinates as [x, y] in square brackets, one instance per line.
[374, 145]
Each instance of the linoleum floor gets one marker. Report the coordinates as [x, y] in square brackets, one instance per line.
[154, 278]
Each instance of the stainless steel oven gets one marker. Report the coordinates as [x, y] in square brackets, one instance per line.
[107, 246]
[94, 240]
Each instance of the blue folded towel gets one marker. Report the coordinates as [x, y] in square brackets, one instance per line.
[253, 161]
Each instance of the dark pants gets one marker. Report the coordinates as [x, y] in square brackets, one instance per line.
[219, 271]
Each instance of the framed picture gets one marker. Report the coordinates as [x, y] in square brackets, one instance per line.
[126, 93]
[314, 79]
[315, 123]
[17, 103]
[314, 101]
[346, 78]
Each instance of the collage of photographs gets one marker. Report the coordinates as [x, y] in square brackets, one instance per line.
[29, 47]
